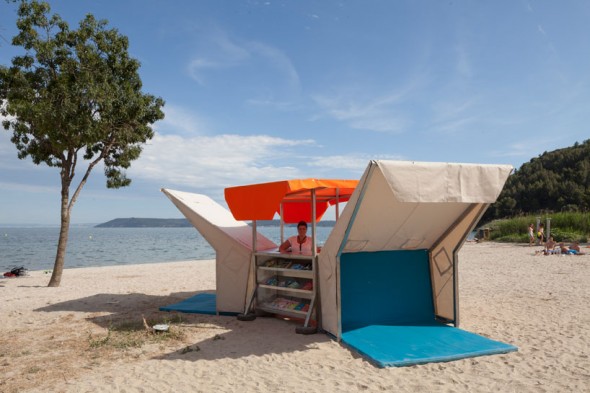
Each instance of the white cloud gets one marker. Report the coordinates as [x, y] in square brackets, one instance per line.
[8, 152]
[377, 114]
[6, 145]
[197, 66]
[526, 149]
[278, 60]
[223, 52]
[456, 115]
[355, 163]
[21, 187]
[455, 126]
[179, 120]
[278, 105]
[216, 161]
[463, 66]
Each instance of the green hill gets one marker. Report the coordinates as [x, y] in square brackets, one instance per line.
[556, 181]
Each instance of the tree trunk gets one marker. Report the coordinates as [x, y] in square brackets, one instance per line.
[63, 239]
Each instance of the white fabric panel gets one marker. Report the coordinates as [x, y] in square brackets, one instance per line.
[384, 223]
[445, 182]
[327, 264]
[405, 206]
[232, 241]
[204, 213]
[442, 262]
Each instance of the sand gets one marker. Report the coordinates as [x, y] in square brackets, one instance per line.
[50, 338]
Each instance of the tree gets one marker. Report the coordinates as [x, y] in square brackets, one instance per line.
[74, 93]
[555, 181]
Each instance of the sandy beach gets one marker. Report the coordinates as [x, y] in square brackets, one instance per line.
[58, 340]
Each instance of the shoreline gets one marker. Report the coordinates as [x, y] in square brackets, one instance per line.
[534, 248]
[541, 304]
[123, 265]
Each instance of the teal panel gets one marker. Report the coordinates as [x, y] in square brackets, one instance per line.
[202, 303]
[385, 288]
[388, 314]
[406, 345]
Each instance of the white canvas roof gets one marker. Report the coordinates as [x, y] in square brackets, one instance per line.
[401, 205]
[232, 241]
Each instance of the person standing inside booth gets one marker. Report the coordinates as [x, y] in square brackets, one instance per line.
[300, 244]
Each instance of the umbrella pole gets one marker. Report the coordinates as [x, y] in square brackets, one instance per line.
[313, 226]
[282, 222]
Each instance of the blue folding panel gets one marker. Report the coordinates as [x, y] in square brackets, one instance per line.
[388, 313]
[202, 303]
[385, 288]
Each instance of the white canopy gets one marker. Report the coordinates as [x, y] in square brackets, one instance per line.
[410, 206]
[232, 241]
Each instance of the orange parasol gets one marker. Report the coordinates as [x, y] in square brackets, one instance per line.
[261, 201]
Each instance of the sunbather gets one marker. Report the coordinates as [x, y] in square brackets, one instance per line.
[550, 244]
[575, 249]
[563, 248]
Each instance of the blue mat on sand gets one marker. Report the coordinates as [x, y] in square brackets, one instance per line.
[203, 303]
[388, 312]
[417, 344]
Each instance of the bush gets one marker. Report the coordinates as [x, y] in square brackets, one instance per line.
[512, 239]
[568, 236]
[565, 227]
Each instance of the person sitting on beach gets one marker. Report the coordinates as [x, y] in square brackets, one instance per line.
[300, 243]
[550, 247]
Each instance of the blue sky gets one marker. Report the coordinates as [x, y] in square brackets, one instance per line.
[259, 91]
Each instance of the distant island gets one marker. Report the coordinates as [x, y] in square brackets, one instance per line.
[180, 223]
[146, 223]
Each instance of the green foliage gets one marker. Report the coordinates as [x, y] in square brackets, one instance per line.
[75, 92]
[565, 227]
[557, 181]
[568, 236]
[513, 238]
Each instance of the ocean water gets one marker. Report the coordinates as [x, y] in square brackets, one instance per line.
[35, 248]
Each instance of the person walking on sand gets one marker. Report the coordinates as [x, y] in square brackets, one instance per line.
[541, 234]
[531, 235]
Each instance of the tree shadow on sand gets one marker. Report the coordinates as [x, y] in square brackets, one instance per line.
[120, 307]
[209, 336]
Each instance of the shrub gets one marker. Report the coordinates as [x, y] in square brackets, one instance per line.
[565, 227]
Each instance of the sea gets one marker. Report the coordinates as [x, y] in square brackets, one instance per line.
[35, 247]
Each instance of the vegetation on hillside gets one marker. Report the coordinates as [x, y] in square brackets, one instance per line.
[564, 227]
[556, 181]
[554, 185]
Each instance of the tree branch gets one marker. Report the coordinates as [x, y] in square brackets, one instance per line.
[75, 161]
[104, 153]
